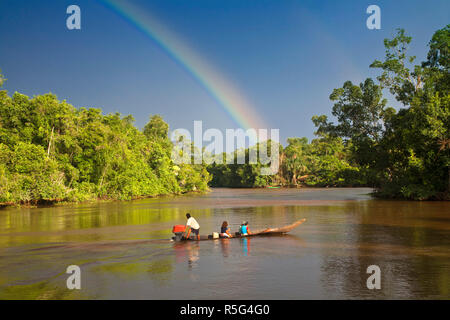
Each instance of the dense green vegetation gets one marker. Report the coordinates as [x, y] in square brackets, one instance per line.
[51, 151]
[403, 154]
[324, 162]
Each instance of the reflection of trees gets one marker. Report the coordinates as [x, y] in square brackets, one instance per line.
[43, 290]
[402, 238]
[158, 268]
[161, 270]
[50, 223]
[93, 215]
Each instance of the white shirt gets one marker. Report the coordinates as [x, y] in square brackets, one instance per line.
[193, 223]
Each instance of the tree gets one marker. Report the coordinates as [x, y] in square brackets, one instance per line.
[156, 128]
[406, 153]
[399, 75]
[2, 79]
[416, 137]
[359, 111]
[51, 151]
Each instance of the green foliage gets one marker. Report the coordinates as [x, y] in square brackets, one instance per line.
[439, 53]
[246, 175]
[156, 128]
[51, 151]
[2, 79]
[406, 154]
[323, 162]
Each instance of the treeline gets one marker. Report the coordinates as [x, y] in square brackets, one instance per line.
[403, 154]
[325, 161]
[51, 151]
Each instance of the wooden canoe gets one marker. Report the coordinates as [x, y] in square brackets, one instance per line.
[261, 232]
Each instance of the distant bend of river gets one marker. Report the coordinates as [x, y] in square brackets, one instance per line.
[124, 252]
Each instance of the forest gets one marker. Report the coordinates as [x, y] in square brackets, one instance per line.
[51, 151]
[403, 153]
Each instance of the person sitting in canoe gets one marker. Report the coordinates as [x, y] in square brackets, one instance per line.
[245, 229]
[225, 230]
[193, 225]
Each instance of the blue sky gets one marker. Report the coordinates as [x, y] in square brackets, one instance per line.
[285, 56]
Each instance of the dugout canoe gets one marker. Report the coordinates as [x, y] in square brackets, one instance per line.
[255, 233]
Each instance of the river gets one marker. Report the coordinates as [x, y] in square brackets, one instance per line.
[124, 252]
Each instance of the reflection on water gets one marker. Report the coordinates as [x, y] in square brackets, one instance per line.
[245, 246]
[225, 246]
[193, 255]
[124, 251]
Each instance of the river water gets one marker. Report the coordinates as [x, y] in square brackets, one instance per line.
[123, 248]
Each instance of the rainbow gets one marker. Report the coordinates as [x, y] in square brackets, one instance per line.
[215, 84]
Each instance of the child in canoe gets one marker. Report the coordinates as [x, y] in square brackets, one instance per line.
[245, 229]
[225, 230]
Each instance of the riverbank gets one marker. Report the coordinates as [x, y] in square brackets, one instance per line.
[47, 203]
[374, 193]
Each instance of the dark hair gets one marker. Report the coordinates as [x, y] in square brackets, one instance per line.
[188, 215]
[246, 223]
[224, 224]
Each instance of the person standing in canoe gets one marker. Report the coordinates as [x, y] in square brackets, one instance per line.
[193, 226]
[225, 230]
[245, 229]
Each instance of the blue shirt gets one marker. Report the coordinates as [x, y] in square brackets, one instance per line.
[244, 229]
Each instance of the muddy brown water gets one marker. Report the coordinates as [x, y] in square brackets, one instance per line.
[124, 252]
